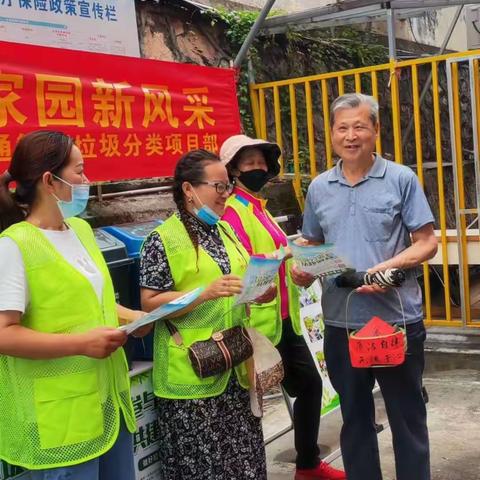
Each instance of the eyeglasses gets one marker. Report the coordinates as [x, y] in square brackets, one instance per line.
[220, 187]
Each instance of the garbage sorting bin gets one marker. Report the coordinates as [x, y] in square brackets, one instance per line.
[132, 235]
[120, 266]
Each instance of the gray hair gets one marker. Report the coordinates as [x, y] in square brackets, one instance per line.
[354, 100]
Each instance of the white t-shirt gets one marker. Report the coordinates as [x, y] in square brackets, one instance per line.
[14, 293]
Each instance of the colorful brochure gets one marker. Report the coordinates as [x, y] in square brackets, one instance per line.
[318, 260]
[163, 310]
[258, 278]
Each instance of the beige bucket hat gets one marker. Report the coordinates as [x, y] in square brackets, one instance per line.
[234, 145]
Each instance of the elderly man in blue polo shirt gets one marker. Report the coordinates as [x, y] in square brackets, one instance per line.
[376, 214]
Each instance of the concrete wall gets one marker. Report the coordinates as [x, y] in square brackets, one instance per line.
[178, 34]
[431, 29]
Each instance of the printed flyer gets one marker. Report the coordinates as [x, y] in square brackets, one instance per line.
[163, 310]
[260, 274]
[318, 260]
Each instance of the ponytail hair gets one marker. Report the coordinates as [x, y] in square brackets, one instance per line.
[10, 211]
[36, 153]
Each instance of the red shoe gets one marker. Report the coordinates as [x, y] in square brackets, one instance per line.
[323, 471]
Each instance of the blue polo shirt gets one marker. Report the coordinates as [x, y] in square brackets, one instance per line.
[368, 223]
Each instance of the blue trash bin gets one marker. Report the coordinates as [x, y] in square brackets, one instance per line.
[132, 235]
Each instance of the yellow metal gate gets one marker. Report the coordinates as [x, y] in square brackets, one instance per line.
[429, 114]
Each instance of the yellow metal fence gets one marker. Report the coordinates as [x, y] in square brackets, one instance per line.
[419, 126]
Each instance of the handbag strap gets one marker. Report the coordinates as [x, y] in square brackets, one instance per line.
[177, 337]
[235, 242]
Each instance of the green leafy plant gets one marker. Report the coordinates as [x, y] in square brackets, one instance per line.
[237, 25]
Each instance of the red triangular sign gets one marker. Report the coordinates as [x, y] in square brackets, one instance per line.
[376, 327]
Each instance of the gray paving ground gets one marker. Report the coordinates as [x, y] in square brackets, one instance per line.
[454, 423]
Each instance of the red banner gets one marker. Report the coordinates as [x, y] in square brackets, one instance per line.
[131, 118]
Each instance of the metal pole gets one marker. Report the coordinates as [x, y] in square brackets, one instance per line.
[458, 213]
[392, 42]
[132, 193]
[253, 98]
[476, 146]
[448, 35]
[253, 33]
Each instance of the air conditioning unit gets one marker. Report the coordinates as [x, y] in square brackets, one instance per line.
[472, 22]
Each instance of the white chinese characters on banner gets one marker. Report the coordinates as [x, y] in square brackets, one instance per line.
[103, 26]
[145, 440]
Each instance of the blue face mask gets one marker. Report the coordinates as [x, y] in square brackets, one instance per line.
[205, 214]
[80, 194]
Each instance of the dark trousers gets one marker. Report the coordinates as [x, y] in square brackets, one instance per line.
[302, 382]
[402, 392]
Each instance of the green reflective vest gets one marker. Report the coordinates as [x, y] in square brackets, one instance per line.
[63, 411]
[173, 375]
[267, 317]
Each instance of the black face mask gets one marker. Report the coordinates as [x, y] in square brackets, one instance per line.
[254, 180]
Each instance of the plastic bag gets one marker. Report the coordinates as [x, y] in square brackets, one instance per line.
[265, 369]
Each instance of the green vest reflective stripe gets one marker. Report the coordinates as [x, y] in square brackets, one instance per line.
[63, 411]
[267, 318]
[173, 375]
